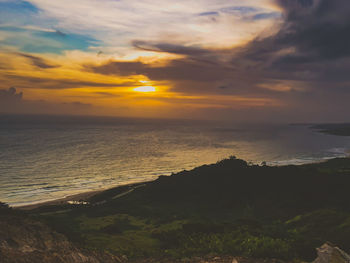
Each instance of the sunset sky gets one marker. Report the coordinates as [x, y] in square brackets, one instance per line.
[260, 60]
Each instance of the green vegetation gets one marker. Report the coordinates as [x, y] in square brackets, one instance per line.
[228, 208]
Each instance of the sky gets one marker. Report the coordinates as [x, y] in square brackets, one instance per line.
[234, 60]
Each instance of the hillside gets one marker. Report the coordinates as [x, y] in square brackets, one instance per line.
[228, 208]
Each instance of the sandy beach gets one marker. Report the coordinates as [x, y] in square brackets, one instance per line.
[77, 197]
[81, 196]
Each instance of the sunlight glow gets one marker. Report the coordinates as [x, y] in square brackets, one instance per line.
[145, 89]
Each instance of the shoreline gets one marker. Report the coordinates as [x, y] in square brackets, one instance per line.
[64, 200]
[88, 193]
[84, 196]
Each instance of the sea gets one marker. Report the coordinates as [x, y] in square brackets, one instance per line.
[44, 158]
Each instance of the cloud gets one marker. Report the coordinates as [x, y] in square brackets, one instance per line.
[57, 84]
[312, 47]
[268, 15]
[36, 39]
[212, 13]
[287, 58]
[175, 70]
[115, 23]
[10, 95]
[170, 48]
[39, 62]
[107, 94]
[304, 65]
[318, 29]
[13, 102]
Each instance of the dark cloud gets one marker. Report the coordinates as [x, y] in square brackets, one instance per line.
[107, 94]
[316, 30]
[48, 83]
[10, 95]
[209, 14]
[176, 70]
[322, 33]
[37, 61]
[313, 45]
[173, 49]
[12, 101]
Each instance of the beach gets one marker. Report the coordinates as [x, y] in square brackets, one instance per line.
[83, 198]
[71, 198]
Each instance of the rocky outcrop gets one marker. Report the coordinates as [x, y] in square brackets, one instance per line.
[23, 240]
[329, 253]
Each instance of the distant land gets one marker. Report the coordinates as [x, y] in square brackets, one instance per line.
[340, 129]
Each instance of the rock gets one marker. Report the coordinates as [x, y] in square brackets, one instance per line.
[328, 253]
[24, 240]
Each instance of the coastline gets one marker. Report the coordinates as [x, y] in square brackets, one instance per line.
[25, 196]
[64, 200]
[84, 196]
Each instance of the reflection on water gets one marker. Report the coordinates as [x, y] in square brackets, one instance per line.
[44, 158]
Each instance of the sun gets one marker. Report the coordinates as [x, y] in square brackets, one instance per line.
[145, 89]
